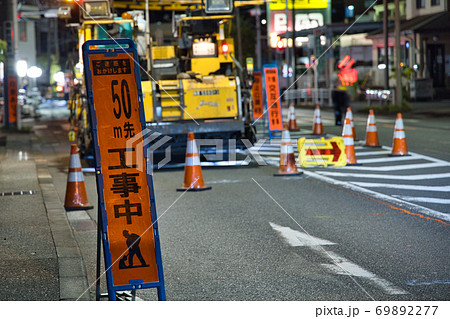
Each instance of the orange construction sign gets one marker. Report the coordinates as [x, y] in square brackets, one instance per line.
[273, 98]
[12, 98]
[257, 96]
[126, 188]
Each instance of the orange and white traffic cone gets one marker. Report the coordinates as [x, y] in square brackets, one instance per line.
[371, 131]
[349, 114]
[287, 157]
[347, 135]
[399, 147]
[193, 177]
[317, 126]
[292, 126]
[76, 196]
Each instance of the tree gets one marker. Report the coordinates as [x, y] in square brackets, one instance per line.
[3, 46]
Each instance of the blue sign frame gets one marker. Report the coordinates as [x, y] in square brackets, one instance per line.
[111, 47]
[270, 130]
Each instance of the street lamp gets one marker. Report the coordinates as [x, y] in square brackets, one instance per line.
[33, 73]
[21, 68]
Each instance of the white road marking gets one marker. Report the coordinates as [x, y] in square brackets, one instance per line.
[341, 265]
[225, 181]
[403, 203]
[431, 200]
[386, 159]
[394, 167]
[427, 283]
[405, 186]
[371, 153]
[397, 177]
[296, 238]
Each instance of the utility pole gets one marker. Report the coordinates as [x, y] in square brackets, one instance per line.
[386, 44]
[238, 25]
[293, 59]
[398, 69]
[258, 38]
[288, 82]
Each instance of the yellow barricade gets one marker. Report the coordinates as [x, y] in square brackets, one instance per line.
[321, 152]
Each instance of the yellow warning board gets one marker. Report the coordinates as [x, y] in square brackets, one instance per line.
[321, 152]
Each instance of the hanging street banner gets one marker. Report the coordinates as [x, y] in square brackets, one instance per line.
[126, 195]
[298, 4]
[273, 100]
[12, 98]
[257, 94]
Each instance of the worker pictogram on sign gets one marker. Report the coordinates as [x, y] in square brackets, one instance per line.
[273, 101]
[126, 196]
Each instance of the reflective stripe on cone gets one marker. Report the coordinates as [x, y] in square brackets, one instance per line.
[292, 126]
[76, 196]
[193, 177]
[371, 131]
[399, 147]
[347, 135]
[287, 157]
[317, 126]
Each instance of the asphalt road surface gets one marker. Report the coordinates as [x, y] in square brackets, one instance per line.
[324, 235]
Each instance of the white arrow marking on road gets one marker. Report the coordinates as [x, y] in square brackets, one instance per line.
[296, 238]
[405, 186]
[341, 265]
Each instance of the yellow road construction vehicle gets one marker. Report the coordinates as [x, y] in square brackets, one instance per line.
[191, 82]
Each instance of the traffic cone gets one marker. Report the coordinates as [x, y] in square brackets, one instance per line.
[347, 134]
[193, 178]
[349, 114]
[287, 157]
[292, 120]
[317, 127]
[399, 147]
[76, 196]
[371, 131]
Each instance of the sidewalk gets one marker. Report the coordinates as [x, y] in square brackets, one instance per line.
[39, 257]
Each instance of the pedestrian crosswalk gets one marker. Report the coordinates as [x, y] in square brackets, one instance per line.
[417, 179]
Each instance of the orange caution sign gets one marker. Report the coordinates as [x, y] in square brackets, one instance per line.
[321, 152]
[273, 98]
[125, 197]
[12, 98]
[257, 96]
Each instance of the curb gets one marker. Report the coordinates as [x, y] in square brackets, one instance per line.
[73, 282]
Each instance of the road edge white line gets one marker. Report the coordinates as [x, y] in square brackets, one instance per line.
[416, 208]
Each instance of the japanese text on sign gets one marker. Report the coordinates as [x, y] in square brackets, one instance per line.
[125, 188]
[12, 98]
[273, 99]
[257, 96]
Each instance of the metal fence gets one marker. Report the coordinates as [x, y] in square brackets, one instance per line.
[309, 96]
[382, 96]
